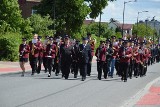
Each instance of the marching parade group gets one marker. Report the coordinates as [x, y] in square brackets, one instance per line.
[129, 57]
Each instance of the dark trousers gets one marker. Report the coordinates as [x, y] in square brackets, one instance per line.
[141, 70]
[40, 60]
[117, 67]
[108, 64]
[131, 68]
[33, 63]
[101, 66]
[89, 66]
[157, 58]
[75, 68]
[125, 66]
[65, 68]
[50, 63]
[136, 69]
[45, 63]
[83, 69]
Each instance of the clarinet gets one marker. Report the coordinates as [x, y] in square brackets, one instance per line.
[22, 52]
[98, 55]
[50, 51]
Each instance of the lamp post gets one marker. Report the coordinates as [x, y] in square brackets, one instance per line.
[124, 12]
[154, 29]
[138, 20]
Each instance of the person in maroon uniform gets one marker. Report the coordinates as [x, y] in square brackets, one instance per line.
[40, 57]
[23, 54]
[92, 44]
[101, 58]
[136, 57]
[50, 54]
[46, 41]
[125, 54]
[34, 53]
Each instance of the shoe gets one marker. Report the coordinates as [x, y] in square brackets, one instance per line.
[56, 74]
[125, 80]
[22, 75]
[32, 74]
[75, 76]
[88, 74]
[49, 75]
[83, 78]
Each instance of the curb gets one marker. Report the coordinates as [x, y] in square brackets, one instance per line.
[133, 100]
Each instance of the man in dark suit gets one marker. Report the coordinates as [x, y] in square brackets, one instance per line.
[66, 51]
[84, 57]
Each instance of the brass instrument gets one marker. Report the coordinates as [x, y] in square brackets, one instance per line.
[22, 52]
[32, 51]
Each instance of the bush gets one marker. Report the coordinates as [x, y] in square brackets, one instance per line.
[9, 46]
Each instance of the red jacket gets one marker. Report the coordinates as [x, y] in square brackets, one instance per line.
[36, 49]
[51, 50]
[41, 49]
[128, 54]
[24, 51]
[101, 54]
[115, 53]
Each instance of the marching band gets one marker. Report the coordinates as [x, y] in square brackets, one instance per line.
[129, 57]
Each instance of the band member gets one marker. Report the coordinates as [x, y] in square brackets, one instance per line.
[40, 57]
[56, 66]
[23, 54]
[117, 63]
[34, 53]
[75, 62]
[101, 58]
[136, 56]
[125, 54]
[46, 41]
[66, 52]
[109, 53]
[142, 59]
[85, 57]
[92, 44]
[50, 54]
[114, 45]
[132, 61]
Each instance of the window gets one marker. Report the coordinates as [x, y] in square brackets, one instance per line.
[34, 11]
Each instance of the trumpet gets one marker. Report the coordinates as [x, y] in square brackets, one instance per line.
[32, 51]
[22, 52]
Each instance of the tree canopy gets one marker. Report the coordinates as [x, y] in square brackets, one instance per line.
[70, 14]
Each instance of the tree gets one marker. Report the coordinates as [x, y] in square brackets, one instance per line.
[97, 6]
[40, 24]
[105, 32]
[143, 30]
[69, 15]
[10, 15]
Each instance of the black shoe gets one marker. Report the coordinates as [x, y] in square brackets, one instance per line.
[32, 74]
[125, 80]
[49, 75]
[88, 74]
[75, 76]
[56, 74]
[83, 78]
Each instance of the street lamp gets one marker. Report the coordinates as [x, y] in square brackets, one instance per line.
[137, 21]
[154, 28]
[124, 12]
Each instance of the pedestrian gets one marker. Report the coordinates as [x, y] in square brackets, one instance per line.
[84, 56]
[50, 54]
[23, 55]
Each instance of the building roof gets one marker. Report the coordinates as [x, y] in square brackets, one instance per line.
[126, 26]
[34, 0]
[87, 22]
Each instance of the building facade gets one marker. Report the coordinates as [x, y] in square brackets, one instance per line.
[26, 7]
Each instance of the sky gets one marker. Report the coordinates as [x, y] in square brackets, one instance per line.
[115, 10]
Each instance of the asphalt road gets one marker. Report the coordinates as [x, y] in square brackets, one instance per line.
[41, 91]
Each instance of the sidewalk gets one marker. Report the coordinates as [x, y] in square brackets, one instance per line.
[13, 67]
[151, 98]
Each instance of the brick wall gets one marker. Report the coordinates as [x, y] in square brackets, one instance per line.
[26, 7]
